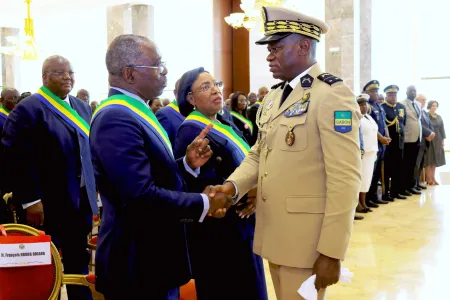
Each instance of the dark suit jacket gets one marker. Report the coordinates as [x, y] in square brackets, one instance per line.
[170, 120]
[427, 129]
[142, 247]
[42, 156]
[251, 115]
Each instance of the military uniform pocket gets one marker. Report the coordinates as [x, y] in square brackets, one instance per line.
[292, 134]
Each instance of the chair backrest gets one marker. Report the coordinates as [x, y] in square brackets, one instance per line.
[34, 282]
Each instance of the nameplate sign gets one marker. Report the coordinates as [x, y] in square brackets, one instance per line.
[24, 253]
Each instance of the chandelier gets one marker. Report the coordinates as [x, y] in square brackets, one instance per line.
[22, 45]
[251, 14]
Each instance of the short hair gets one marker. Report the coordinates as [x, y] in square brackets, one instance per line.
[431, 102]
[124, 51]
[419, 96]
[51, 58]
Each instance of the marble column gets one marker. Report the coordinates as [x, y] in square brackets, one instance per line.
[365, 42]
[130, 18]
[340, 40]
[118, 19]
[10, 64]
[142, 18]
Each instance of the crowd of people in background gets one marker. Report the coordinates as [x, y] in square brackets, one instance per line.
[402, 144]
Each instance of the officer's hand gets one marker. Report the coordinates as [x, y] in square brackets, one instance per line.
[385, 141]
[327, 271]
[431, 136]
[35, 214]
[227, 188]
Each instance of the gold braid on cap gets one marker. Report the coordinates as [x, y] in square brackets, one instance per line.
[372, 86]
[303, 28]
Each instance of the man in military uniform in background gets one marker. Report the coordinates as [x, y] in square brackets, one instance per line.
[377, 113]
[395, 122]
[306, 162]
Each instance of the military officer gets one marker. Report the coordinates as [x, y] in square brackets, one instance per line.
[306, 162]
[377, 113]
[395, 122]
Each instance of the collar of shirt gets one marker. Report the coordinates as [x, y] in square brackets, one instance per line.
[67, 100]
[294, 82]
[129, 94]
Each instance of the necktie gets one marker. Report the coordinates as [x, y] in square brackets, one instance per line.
[287, 90]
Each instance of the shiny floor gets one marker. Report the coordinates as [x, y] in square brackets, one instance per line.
[401, 251]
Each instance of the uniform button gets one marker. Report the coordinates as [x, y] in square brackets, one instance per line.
[265, 174]
[264, 199]
[269, 149]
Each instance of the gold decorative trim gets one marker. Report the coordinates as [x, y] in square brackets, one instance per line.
[55, 256]
[303, 28]
[372, 86]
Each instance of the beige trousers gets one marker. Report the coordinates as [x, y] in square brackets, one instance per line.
[287, 281]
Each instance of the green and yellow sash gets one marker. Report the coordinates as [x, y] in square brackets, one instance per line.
[243, 120]
[139, 110]
[174, 105]
[4, 112]
[64, 110]
[221, 130]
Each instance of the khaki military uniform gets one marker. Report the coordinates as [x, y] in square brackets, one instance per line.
[307, 169]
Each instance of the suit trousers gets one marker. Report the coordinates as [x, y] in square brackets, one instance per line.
[287, 281]
[411, 152]
[419, 163]
[372, 193]
[393, 170]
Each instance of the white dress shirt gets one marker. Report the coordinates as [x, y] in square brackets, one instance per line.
[369, 132]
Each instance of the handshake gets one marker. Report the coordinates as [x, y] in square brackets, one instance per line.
[220, 199]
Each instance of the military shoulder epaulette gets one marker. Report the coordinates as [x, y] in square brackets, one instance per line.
[328, 78]
[277, 85]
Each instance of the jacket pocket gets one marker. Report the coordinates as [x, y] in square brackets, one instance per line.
[292, 134]
[305, 204]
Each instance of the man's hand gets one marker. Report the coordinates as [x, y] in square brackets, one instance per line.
[430, 137]
[327, 271]
[218, 202]
[199, 152]
[35, 214]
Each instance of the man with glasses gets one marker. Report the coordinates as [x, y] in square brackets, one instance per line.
[47, 157]
[142, 250]
[83, 94]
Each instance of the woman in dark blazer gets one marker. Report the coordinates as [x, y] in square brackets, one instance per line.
[221, 250]
[239, 113]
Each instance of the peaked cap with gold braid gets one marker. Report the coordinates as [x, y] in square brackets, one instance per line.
[280, 22]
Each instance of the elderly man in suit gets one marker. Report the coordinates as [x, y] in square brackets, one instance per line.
[427, 136]
[306, 162]
[413, 138]
[142, 251]
[46, 142]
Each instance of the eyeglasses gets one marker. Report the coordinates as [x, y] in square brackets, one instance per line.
[206, 87]
[62, 74]
[161, 67]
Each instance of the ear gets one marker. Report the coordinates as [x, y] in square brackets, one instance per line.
[190, 99]
[304, 47]
[44, 78]
[128, 76]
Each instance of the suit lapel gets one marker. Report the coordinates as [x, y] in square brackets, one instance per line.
[297, 94]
